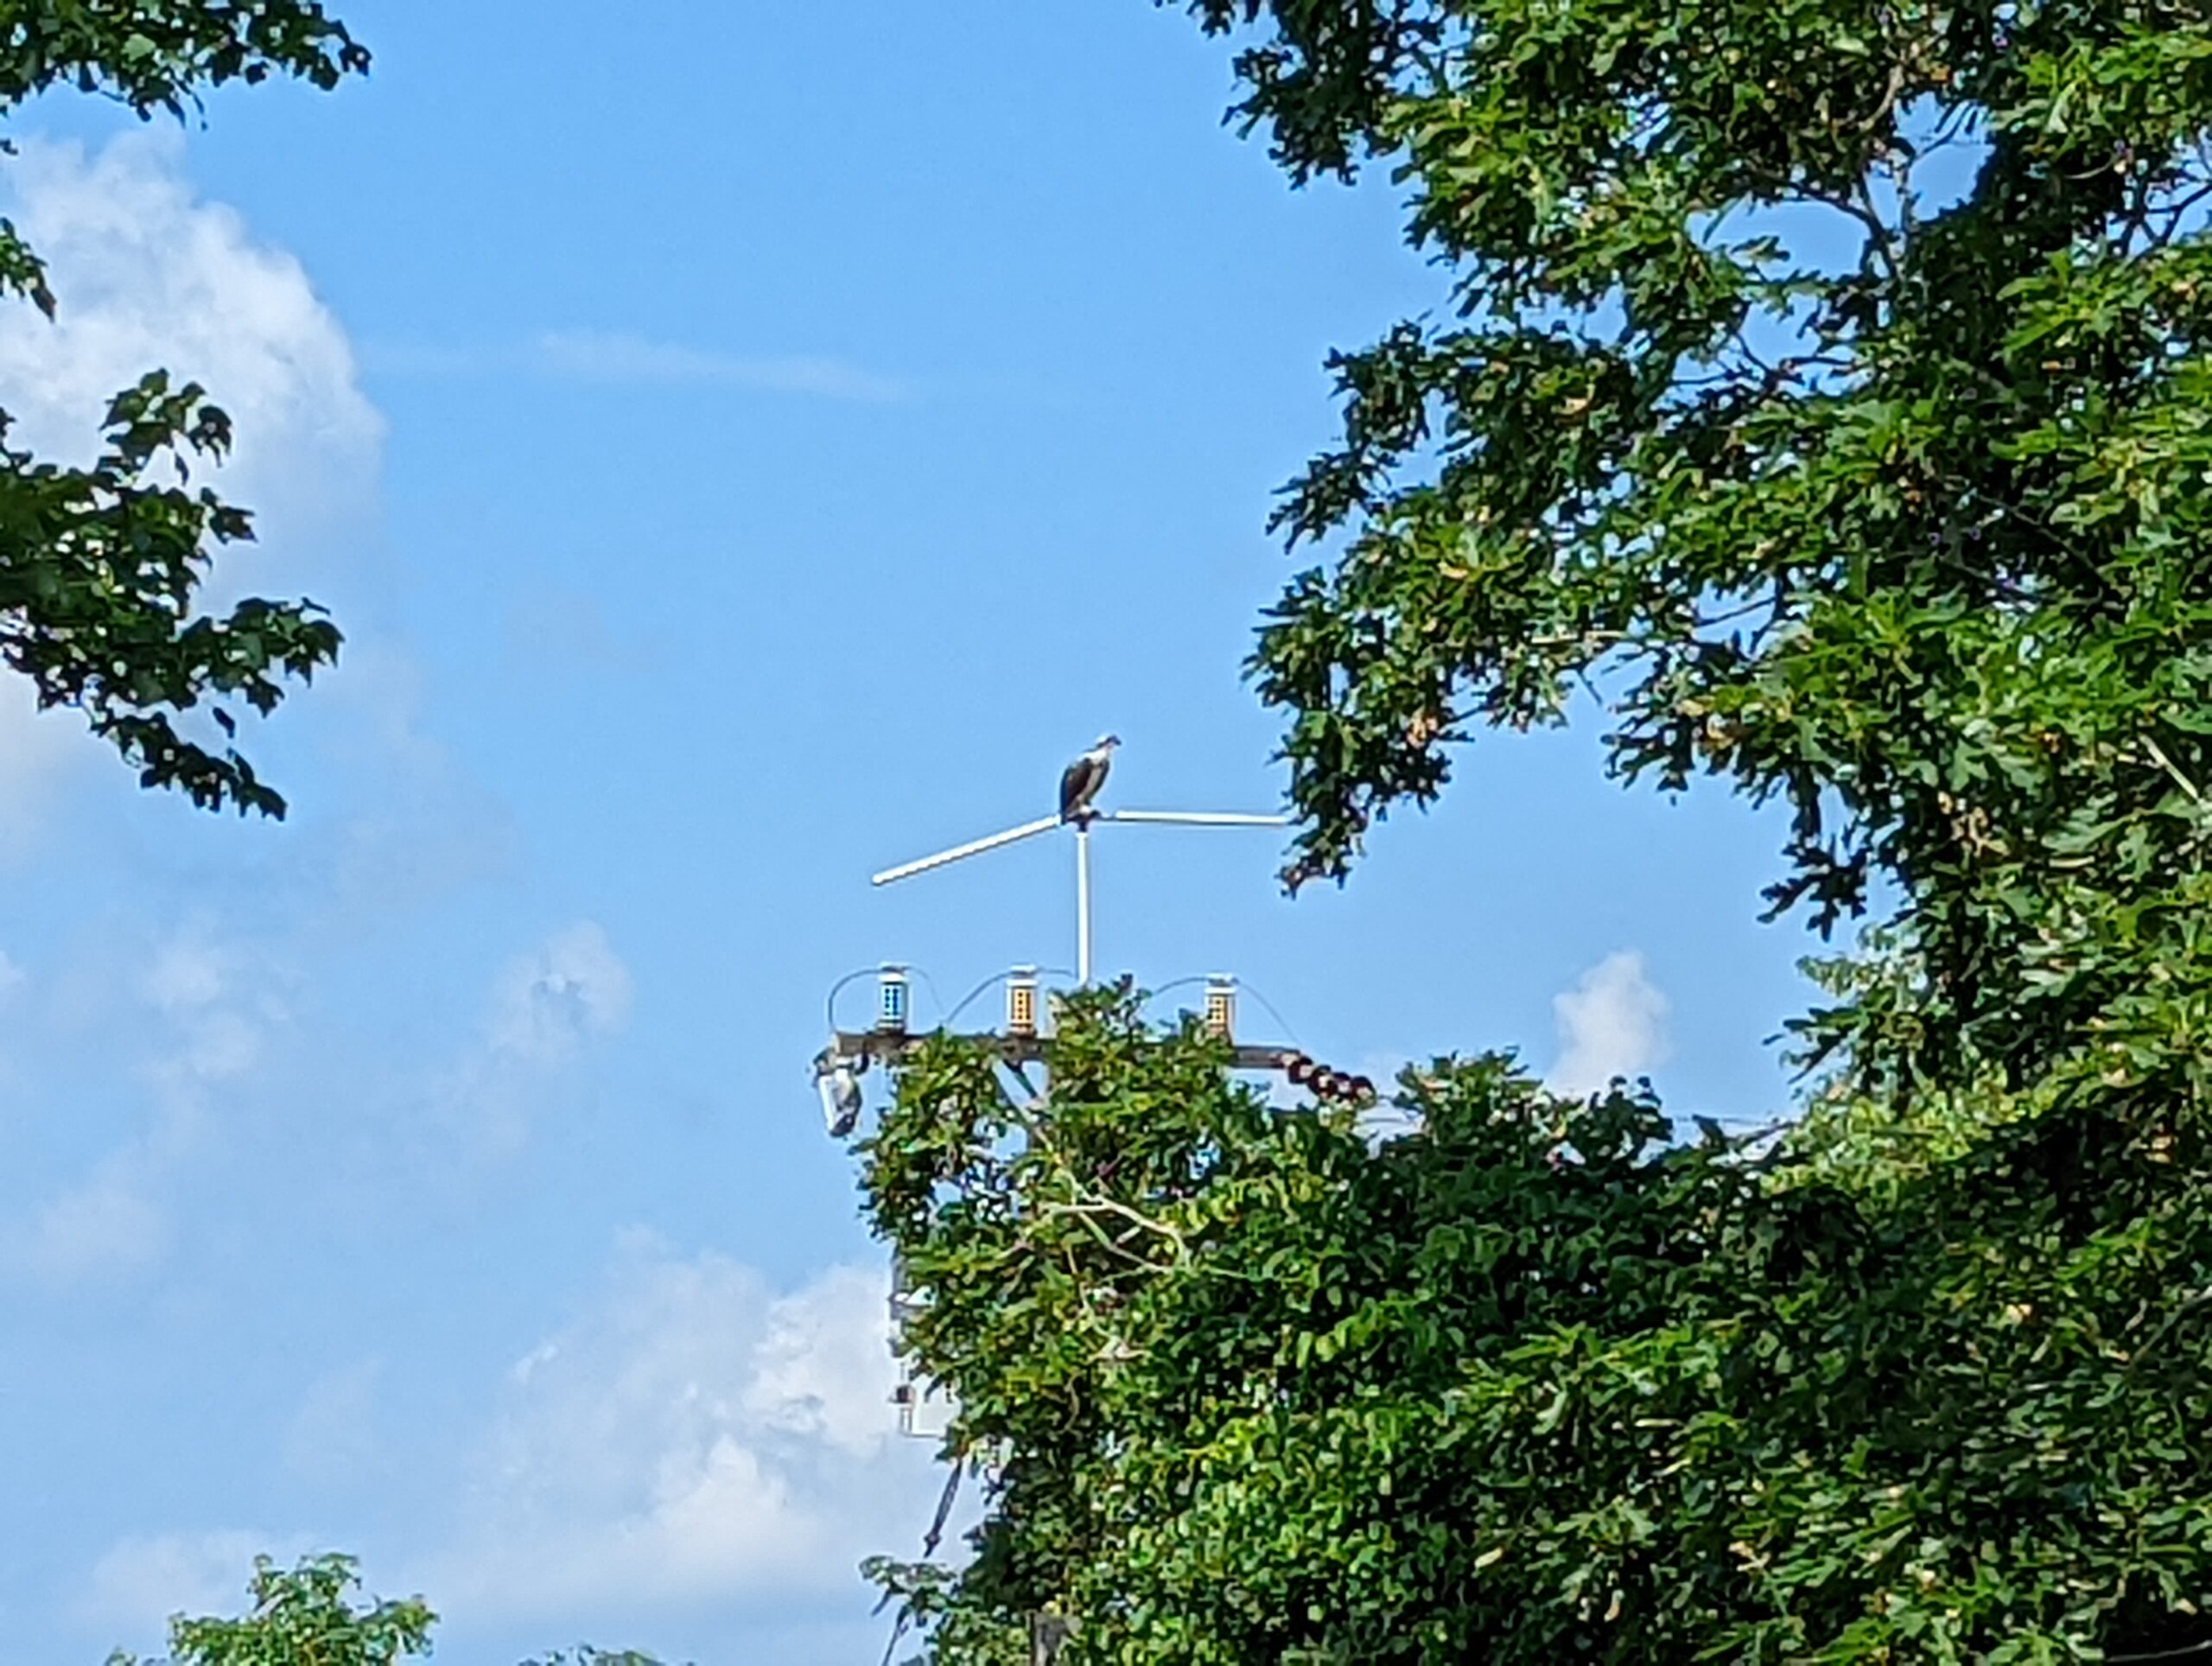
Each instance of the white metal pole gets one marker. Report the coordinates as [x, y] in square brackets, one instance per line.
[1193, 818]
[1046, 824]
[973, 848]
[1082, 906]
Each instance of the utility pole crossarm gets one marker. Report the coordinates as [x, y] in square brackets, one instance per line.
[973, 848]
[1080, 786]
[1193, 817]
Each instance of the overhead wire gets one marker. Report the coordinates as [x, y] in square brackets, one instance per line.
[930, 984]
[1270, 1008]
[830, 1004]
[967, 1000]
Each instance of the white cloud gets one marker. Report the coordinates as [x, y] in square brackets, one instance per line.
[216, 1015]
[332, 1436]
[220, 997]
[1613, 1023]
[147, 276]
[101, 1230]
[142, 1581]
[185, 975]
[12, 977]
[545, 1009]
[820, 1371]
[692, 1437]
[37, 748]
[547, 1004]
[621, 356]
[213, 1005]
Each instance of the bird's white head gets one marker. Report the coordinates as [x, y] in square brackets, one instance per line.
[1106, 743]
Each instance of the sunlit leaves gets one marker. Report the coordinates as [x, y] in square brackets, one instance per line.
[1900, 525]
[1531, 1384]
[306, 1615]
[302, 1616]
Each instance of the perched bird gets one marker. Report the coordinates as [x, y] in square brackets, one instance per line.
[1080, 781]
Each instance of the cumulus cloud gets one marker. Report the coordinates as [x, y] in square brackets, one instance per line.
[1612, 1022]
[211, 1003]
[142, 1581]
[148, 275]
[693, 1436]
[547, 1004]
[545, 1008]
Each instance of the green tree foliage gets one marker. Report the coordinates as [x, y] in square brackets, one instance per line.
[1910, 539]
[99, 567]
[1879, 498]
[1534, 1383]
[302, 1617]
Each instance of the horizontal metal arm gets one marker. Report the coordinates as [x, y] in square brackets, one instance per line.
[1026, 830]
[1046, 824]
[1194, 817]
[877, 1046]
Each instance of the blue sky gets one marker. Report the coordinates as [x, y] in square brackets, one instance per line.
[747, 446]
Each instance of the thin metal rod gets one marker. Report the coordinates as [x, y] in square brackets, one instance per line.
[974, 848]
[1194, 817]
[1082, 906]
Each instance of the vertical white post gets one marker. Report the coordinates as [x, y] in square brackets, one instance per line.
[1083, 907]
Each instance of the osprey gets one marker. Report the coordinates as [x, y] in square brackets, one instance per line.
[1080, 781]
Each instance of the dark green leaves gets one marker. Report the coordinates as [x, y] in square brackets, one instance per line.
[1531, 1384]
[1890, 508]
[99, 568]
[1877, 495]
[158, 54]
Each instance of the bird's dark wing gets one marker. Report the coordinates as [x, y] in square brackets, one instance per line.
[1076, 786]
